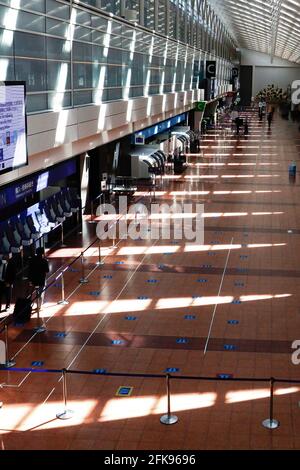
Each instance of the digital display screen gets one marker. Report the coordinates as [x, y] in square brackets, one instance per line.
[13, 128]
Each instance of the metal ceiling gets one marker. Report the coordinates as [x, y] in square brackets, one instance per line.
[269, 26]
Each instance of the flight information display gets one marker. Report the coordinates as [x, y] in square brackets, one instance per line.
[13, 129]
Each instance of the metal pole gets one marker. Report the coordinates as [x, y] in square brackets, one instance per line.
[83, 279]
[24, 278]
[63, 301]
[40, 328]
[8, 362]
[91, 221]
[99, 262]
[168, 418]
[66, 414]
[271, 423]
[62, 244]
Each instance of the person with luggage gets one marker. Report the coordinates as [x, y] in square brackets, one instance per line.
[8, 273]
[38, 270]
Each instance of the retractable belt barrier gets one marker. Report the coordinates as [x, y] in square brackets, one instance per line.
[168, 418]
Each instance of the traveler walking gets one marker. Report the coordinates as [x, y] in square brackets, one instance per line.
[270, 118]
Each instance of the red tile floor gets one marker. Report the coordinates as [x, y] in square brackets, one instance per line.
[247, 270]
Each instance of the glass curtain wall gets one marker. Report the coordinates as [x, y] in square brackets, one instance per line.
[71, 55]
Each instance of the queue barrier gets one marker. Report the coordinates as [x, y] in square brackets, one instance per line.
[58, 275]
[167, 419]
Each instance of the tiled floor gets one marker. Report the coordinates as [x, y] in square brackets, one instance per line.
[229, 306]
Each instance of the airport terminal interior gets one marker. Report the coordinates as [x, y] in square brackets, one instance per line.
[149, 229]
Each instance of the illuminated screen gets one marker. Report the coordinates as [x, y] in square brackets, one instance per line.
[13, 129]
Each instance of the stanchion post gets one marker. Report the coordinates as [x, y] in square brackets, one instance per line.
[24, 278]
[62, 244]
[63, 300]
[99, 262]
[91, 221]
[168, 418]
[8, 363]
[271, 423]
[66, 414]
[83, 279]
[40, 328]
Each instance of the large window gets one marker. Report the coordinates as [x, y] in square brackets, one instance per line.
[72, 55]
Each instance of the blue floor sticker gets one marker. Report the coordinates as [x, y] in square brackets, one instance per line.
[60, 335]
[117, 341]
[172, 370]
[19, 325]
[37, 363]
[73, 270]
[239, 284]
[190, 317]
[161, 266]
[182, 340]
[229, 347]
[243, 256]
[124, 391]
[242, 270]
[130, 318]
[99, 371]
[108, 276]
[202, 280]
[152, 281]
[224, 376]
[142, 297]
[196, 296]
[236, 301]
[211, 253]
[233, 322]
[119, 262]
[95, 293]
[207, 266]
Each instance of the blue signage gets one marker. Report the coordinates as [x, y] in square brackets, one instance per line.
[20, 189]
[160, 127]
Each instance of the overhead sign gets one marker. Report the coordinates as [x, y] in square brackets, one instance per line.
[200, 106]
[235, 72]
[211, 68]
